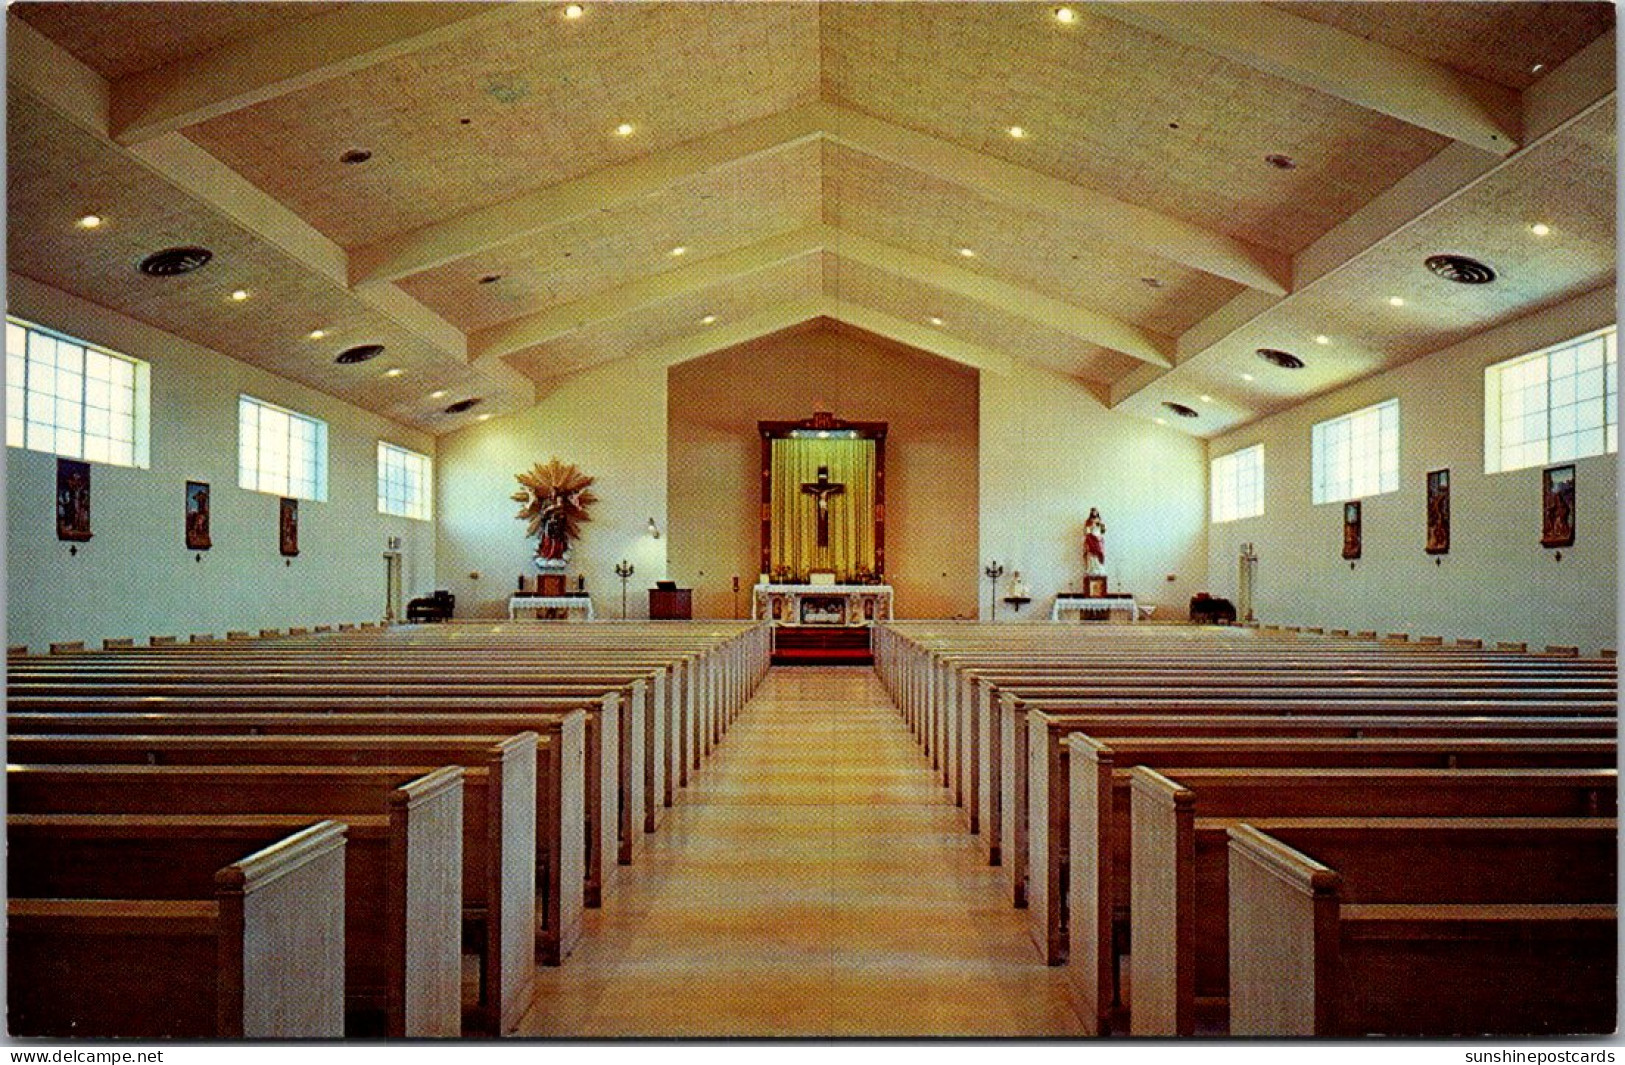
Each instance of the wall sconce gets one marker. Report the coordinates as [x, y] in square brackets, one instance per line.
[654, 530]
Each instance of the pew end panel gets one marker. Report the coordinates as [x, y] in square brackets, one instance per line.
[1089, 928]
[282, 903]
[1162, 895]
[426, 816]
[1283, 938]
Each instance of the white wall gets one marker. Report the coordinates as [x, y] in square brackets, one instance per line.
[135, 577]
[610, 422]
[1497, 583]
[1049, 451]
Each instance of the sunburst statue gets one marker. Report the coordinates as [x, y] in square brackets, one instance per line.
[555, 499]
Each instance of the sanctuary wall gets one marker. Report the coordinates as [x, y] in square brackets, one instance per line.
[713, 476]
[1497, 582]
[135, 577]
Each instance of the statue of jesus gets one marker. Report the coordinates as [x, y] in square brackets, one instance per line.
[822, 489]
[1094, 544]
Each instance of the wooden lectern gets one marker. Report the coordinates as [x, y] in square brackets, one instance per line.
[671, 604]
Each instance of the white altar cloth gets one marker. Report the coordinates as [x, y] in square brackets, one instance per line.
[571, 604]
[861, 604]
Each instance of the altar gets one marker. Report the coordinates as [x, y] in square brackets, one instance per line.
[835, 605]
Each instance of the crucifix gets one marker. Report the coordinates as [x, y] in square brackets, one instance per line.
[822, 489]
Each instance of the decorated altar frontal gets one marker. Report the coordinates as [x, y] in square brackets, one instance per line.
[822, 604]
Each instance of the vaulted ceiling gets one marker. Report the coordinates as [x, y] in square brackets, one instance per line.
[1140, 195]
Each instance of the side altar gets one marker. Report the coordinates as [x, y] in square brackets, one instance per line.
[834, 605]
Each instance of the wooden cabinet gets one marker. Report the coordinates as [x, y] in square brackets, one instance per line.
[674, 605]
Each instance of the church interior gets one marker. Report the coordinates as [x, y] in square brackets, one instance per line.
[811, 519]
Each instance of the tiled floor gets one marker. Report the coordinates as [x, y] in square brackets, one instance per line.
[812, 882]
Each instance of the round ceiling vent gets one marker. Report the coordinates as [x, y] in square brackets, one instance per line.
[1460, 269]
[1182, 410]
[172, 262]
[359, 353]
[462, 405]
[1284, 359]
[355, 155]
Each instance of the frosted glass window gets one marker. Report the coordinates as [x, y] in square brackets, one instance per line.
[66, 397]
[403, 482]
[1238, 484]
[1356, 455]
[1553, 405]
[280, 451]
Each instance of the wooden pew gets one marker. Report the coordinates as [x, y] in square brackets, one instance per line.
[209, 967]
[1015, 757]
[1425, 746]
[1167, 867]
[424, 907]
[293, 740]
[1426, 929]
[604, 823]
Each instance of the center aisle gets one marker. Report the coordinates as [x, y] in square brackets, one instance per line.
[813, 881]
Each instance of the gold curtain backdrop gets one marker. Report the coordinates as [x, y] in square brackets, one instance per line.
[851, 513]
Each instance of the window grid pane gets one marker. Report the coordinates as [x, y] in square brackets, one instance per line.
[1356, 455]
[280, 452]
[58, 397]
[1238, 484]
[403, 482]
[1554, 405]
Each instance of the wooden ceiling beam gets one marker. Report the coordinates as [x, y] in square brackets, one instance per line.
[532, 212]
[45, 71]
[512, 337]
[520, 334]
[1080, 322]
[291, 57]
[489, 227]
[1375, 76]
[1113, 219]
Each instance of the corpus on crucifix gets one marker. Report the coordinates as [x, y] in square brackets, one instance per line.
[821, 490]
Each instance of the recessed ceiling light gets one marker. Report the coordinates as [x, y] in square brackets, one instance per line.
[623, 130]
[1284, 359]
[317, 334]
[172, 262]
[935, 320]
[1537, 68]
[1162, 421]
[1540, 229]
[678, 251]
[1396, 301]
[359, 353]
[355, 155]
[1462, 269]
[1281, 162]
[708, 319]
[1323, 339]
[239, 295]
[1065, 15]
[1017, 132]
[90, 221]
[1246, 377]
[439, 393]
[394, 371]
[573, 11]
[483, 418]
[967, 253]
[1206, 398]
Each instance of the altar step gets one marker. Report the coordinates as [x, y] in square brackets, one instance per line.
[825, 645]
